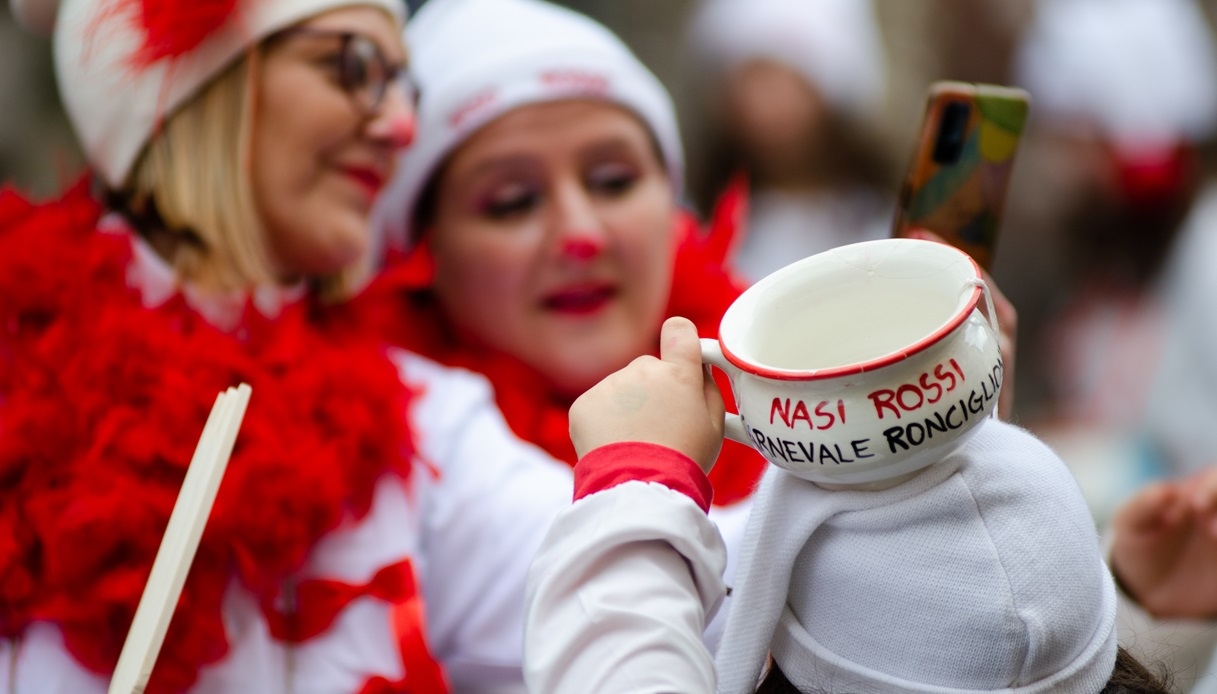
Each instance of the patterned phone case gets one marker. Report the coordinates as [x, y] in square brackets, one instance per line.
[960, 198]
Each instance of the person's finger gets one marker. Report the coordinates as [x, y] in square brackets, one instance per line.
[714, 397]
[1149, 509]
[923, 234]
[1007, 315]
[1176, 510]
[1007, 325]
[1204, 491]
[679, 344]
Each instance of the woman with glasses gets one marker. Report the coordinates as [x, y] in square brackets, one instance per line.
[236, 147]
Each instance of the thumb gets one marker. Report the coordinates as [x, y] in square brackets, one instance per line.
[679, 344]
[1147, 511]
[923, 234]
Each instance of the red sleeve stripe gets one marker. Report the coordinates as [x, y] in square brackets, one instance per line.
[608, 466]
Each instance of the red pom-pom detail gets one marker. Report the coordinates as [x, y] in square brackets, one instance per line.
[167, 29]
[172, 28]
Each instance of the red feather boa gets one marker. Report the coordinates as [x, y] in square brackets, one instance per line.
[101, 404]
[702, 289]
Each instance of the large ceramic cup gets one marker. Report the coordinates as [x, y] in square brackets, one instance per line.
[861, 365]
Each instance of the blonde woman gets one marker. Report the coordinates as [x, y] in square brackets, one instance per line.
[360, 541]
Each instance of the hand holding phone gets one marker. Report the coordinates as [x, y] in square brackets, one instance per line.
[956, 184]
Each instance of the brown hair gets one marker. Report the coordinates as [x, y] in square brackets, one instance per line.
[843, 146]
[1128, 677]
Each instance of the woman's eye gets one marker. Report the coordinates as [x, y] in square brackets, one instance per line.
[354, 72]
[335, 66]
[359, 58]
[509, 202]
[613, 179]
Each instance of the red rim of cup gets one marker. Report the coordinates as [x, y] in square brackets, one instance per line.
[865, 366]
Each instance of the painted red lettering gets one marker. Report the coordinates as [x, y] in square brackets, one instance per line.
[826, 418]
[926, 384]
[883, 398]
[958, 370]
[782, 409]
[901, 400]
[800, 412]
[943, 375]
[470, 106]
[575, 79]
[791, 416]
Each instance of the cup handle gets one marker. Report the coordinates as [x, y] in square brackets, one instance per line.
[712, 354]
[984, 288]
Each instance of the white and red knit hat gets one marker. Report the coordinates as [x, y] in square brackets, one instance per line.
[475, 60]
[981, 574]
[124, 65]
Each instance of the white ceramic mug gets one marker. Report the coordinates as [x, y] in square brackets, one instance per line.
[861, 365]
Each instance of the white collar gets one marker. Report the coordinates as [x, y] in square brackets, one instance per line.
[158, 282]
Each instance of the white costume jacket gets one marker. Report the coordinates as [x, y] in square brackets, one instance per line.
[403, 577]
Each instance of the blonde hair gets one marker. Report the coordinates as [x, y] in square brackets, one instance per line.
[195, 174]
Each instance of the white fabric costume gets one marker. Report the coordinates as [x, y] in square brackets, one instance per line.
[469, 527]
[628, 574]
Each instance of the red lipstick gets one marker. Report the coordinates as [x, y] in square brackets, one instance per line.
[369, 180]
[580, 300]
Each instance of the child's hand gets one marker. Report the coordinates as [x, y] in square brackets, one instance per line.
[1165, 550]
[670, 401]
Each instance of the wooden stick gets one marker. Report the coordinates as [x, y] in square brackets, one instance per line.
[179, 543]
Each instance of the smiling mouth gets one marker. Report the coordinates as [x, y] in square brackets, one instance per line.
[368, 180]
[580, 301]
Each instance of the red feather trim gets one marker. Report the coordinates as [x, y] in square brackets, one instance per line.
[701, 291]
[98, 421]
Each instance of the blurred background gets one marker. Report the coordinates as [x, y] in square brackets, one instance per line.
[1110, 185]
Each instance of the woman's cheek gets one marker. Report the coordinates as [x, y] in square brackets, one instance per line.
[501, 266]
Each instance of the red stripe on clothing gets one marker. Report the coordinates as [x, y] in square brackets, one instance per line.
[317, 602]
[608, 466]
[424, 674]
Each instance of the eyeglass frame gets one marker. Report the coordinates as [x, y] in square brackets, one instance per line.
[398, 74]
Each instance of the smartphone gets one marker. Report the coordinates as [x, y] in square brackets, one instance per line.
[956, 184]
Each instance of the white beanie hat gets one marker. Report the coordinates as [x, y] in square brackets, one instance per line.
[118, 85]
[981, 574]
[1144, 71]
[475, 60]
[834, 44]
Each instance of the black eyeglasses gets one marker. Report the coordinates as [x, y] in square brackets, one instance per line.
[363, 71]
